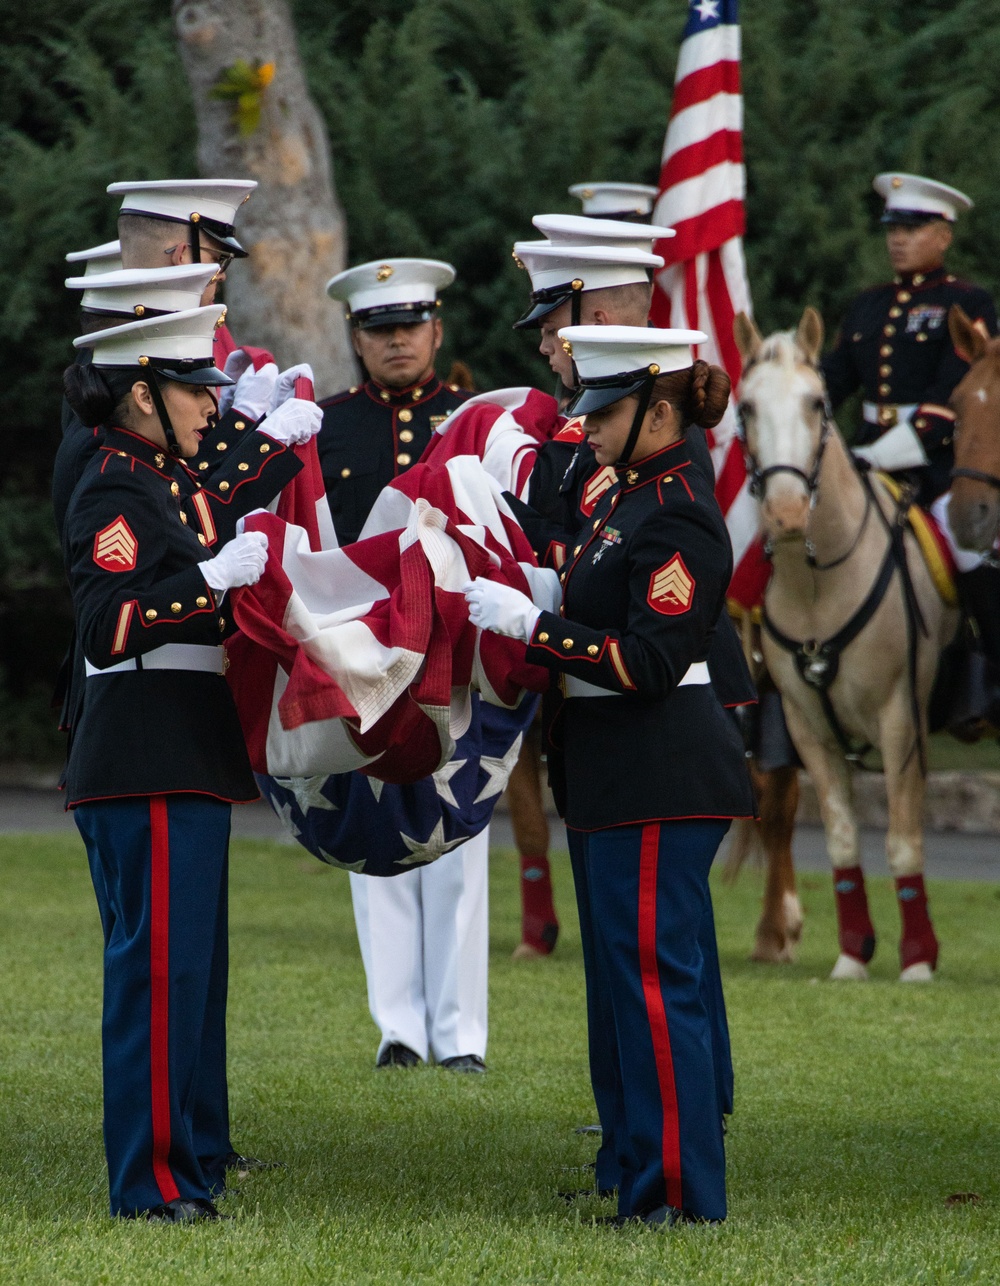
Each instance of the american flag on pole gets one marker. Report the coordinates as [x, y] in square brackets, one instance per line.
[703, 284]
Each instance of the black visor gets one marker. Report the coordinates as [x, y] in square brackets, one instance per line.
[910, 218]
[193, 371]
[544, 302]
[394, 315]
[595, 395]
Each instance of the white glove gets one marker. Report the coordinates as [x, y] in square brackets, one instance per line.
[500, 609]
[545, 586]
[294, 422]
[251, 395]
[900, 448]
[284, 386]
[240, 562]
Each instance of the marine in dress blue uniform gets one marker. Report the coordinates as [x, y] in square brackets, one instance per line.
[895, 345]
[565, 489]
[648, 768]
[156, 758]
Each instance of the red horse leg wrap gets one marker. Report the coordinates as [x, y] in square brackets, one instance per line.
[919, 944]
[856, 931]
[539, 925]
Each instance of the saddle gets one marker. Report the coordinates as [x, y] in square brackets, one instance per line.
[934, 548]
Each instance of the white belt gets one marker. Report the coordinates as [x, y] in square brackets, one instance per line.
[171, 656]
[573, 687]
[870, 411]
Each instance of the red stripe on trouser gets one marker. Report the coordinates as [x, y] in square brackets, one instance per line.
[657, 1014]
[159, 995]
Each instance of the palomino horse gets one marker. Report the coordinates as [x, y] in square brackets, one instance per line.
[974, 507]
[853, 628]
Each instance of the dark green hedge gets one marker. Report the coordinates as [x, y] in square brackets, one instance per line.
[452, 122]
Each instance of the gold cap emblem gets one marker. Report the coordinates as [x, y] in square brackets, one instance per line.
[384, 273]
[567, 348]
[897, 182]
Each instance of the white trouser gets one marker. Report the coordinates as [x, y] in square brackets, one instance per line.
[966, 560]
[424, 940]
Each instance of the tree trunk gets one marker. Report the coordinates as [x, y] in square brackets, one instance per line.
[293, 226]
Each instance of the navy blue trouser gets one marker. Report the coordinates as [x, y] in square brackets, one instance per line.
[659, 1045]
[160, 868]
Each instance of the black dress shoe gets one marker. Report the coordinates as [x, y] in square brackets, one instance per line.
[243, 1165]
[398, 1055]
[464, 1063]
[661, 1217]
[183, 1211]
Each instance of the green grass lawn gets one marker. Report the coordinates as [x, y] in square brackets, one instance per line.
[860, 1109]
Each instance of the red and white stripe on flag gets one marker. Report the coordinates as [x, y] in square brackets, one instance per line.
[703, 284]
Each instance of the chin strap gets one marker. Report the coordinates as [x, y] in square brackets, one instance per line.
[574, 303]
[645, 393]
[168, 429]
[194, 238]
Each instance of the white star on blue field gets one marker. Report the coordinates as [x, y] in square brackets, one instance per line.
[707, 9]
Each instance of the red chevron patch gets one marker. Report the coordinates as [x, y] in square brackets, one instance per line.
[115, 547]
[571, 431]
[671, 589]
[595, 488]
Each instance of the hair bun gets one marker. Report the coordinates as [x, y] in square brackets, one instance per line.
[708, 395]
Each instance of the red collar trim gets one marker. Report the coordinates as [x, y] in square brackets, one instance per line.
[140, 448]
[404, 396]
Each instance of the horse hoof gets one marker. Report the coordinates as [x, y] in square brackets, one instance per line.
[919, 972]
[847, 969]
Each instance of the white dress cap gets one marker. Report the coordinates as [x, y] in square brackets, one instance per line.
[578, 230]
[603, 351]
[137, 291]
[216, 200]
[178, 337]
[909, 194]
[98, 259]
[391, 291]
[598, 267]
[615, 198]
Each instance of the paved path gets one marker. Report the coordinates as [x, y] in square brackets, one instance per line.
[949, 856]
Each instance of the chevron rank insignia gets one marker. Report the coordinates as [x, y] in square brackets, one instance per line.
[595, 488]
[671, 589]
[115, 547]
[571, 431]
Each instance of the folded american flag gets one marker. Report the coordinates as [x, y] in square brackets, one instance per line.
[381, 724]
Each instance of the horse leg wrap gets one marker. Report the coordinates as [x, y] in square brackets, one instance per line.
[919, 944]
[856, 931]
[539, 923]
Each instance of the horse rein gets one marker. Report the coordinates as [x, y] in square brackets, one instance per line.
[977, 475]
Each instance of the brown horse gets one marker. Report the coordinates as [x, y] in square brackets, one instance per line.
[974, 508]
[853, 628]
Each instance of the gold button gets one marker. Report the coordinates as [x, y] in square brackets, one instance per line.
[159, 460]
[122, 453]
[577, 551]
[151, 615]
[183, 517]
[264, 448]
[922, 337]
[406, 435]
[175, 608]
[403, 458]
[417, 394]
[543, 637]
[453, 387]
[201, 539]
[201, 601]
[353, 388]
[920, 422]
[946, 441]
[203, 465]
[597, 523]
[918, 278]
[903, 297]
[884, 390]
[885, 350]
[175, 489]
[857, 336]
[384, 395]
[593, 650]
[895, 311]
[221, 446]
[406, 415]
[567, 644]
[240, 424]
[885, 370]
[222, 623]
[223, 486]
[345, 473]
[243, 466]
[889, 330]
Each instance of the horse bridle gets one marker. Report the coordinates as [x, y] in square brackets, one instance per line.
[759, 476]
[977, 475]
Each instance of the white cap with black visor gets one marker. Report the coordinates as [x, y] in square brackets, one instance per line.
[911, 200]
[561, 272]
[616, 200]
[614, 362]
[144, 292]
[176, 346]
[391, 292]
[203, 205]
